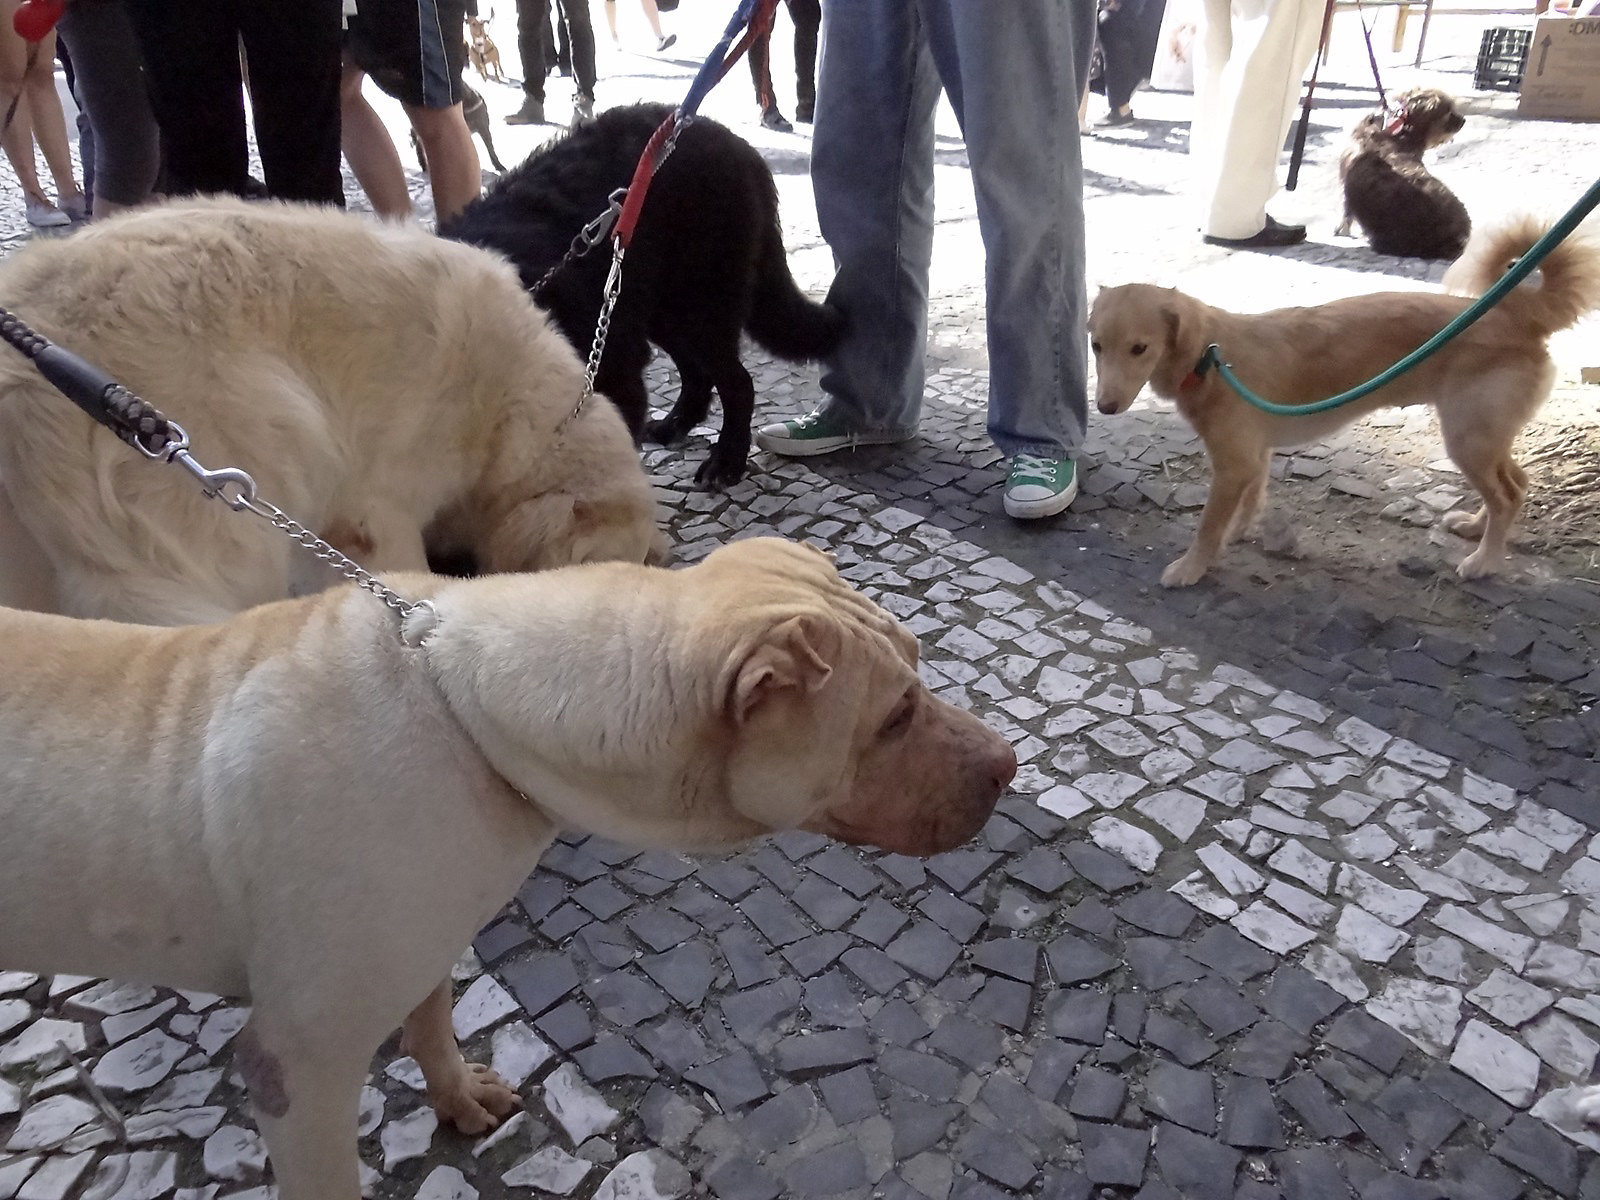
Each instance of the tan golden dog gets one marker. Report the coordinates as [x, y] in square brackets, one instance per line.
[1485, 385]
[482, 52]
[395, 392]
[316, 806]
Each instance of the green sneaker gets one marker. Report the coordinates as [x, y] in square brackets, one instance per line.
[1040, 487]
[818, 433]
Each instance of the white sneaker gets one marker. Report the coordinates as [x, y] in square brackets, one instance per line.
[44, 215]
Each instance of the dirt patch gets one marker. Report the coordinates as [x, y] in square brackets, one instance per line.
[1355, 519]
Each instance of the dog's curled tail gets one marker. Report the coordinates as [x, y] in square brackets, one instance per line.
[1569, 278]
[783, 320]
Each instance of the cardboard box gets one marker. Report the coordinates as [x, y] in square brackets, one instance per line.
[1562, 79]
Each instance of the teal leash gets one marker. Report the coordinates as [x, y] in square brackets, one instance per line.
[1519, 271]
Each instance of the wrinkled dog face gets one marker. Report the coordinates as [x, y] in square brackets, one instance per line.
[1131, 329]
[836, 734]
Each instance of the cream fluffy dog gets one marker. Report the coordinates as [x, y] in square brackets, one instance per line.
[316, 806]
[392, 391]
[1485, 385]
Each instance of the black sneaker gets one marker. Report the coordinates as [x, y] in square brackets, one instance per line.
[805, 113]
[773, 119]
[1115, 120]
[1274, 235]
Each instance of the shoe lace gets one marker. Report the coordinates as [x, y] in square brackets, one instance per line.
[1034, 464]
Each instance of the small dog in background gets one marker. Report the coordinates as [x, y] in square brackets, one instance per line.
[1401, 207]
[482, 52]
[476, 113]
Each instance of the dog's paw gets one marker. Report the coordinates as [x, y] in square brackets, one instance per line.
[1181, 572]
[1463, 524]
[478, 1102]
[720, 471]
[1480, 564]
[664, 432]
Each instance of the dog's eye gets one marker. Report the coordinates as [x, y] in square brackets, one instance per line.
[900, 719]
[1138, 349]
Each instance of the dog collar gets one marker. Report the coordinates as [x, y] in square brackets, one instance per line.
[1196, 374]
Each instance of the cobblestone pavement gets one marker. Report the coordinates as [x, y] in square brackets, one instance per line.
[1297, 893]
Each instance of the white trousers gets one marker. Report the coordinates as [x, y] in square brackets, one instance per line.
[1252, 56]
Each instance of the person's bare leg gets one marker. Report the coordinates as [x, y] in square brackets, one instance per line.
[611, 21]
[50, 124]
[653, 15]
[453, 170]
[17, 140]
[370, 150]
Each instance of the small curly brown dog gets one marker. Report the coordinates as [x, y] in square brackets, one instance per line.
[1485, 384]
[1401, 207]
[482, 52]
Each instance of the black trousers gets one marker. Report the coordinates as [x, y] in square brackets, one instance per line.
[533, 37]
[807, 17]
[192, 66]
[1128, 36]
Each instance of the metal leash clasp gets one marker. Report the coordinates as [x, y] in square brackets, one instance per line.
[597, 230]
[215, 484]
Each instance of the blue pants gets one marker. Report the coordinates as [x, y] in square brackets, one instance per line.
[1014, 73]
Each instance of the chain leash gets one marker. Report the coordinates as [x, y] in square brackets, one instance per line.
[592, 234]
[237, 490]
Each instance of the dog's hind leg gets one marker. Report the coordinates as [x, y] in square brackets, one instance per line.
[1502, 485]
[305, 1087]
[467, 1095]
[693, 404]
[1237, 474]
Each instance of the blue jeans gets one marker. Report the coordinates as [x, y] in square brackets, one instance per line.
[1014, 71]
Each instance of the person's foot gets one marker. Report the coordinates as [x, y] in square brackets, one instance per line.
[1040, 487]
[44, 215]
[773, 119]
[1115, 120]
[531, 113]
[1274, 235]
[667, 41]
[805, 113]
[76, 207]
[582, 110]
[819, 433]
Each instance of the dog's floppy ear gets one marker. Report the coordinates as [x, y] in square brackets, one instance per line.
[788, 656]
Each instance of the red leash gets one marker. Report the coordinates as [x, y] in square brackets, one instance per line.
[665, 137]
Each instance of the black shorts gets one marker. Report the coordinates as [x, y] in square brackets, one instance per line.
[415, 50]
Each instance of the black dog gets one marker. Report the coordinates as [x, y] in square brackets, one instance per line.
[1402, 208]
[706, 263]
[476, 113]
